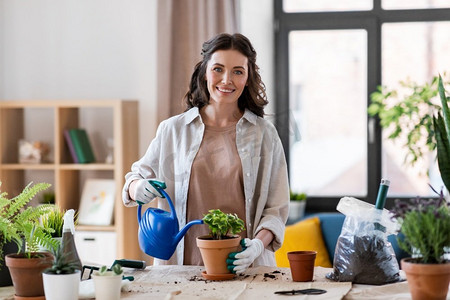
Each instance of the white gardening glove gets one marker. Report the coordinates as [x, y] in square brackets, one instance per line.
[238, 262]
[144, 191]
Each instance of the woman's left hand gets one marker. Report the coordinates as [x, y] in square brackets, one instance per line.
[238, 262]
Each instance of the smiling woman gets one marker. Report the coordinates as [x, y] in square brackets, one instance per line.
[220, 153]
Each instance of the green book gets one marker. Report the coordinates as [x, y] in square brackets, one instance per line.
[82, 146]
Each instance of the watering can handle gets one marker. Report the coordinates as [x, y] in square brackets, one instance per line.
[158, 185]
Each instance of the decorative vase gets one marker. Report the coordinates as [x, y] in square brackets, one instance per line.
[426, 281]
[26, 273]
[215, 253]
[302, 265]
[107, 287]
[61, 286]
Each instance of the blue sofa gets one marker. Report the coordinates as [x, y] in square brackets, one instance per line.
[331, 226]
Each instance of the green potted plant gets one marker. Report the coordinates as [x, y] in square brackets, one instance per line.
[19, 222]
[62, 279]
[108, 283]
[222, 240]
[425, 227]
[297, 206]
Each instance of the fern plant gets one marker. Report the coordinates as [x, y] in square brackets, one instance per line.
[442, 133]
[20, 222]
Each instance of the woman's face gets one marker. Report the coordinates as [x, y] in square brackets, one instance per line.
[226, 76]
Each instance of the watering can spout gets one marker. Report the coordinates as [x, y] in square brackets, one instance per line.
[183, 231]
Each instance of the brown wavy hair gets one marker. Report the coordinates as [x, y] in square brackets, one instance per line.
[254, 95]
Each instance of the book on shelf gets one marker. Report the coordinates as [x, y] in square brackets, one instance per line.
[70, 146]
[81, 150]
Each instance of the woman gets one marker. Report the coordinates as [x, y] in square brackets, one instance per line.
[220, 153]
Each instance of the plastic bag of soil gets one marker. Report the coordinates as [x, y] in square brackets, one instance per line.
[363, 254]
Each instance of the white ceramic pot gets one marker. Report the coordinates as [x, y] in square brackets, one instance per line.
[296, 210]
[107, 287]
[61, 286]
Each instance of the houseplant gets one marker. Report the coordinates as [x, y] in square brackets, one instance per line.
[107, 283]
[425, 227]
[408, 116]
[62, 279]
[297, 206]
[19, 223]
[53, 221]
[222, 240]
[441, 125]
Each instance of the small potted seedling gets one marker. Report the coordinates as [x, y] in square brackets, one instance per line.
[62, 279]
[108, 283]
[297, 206]
[222, 240]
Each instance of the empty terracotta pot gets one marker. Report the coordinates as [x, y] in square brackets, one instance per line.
[302, 265]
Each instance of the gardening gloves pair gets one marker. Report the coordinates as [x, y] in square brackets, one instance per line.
[238, 262]
[145, 190]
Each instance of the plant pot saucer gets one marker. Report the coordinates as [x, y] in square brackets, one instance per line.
[218, 276]
[29, 298]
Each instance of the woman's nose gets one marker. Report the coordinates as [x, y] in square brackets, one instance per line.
[226, 79]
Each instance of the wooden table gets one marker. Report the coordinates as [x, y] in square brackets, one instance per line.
[186, 282]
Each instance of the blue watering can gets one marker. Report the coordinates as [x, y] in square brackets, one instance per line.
[159, 232]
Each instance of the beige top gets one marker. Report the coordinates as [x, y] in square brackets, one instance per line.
[216, 182]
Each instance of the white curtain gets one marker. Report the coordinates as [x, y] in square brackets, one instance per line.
[183, 26]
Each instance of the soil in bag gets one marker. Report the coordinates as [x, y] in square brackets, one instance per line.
[366, 259]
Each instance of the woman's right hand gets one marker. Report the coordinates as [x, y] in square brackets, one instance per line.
[142, 191]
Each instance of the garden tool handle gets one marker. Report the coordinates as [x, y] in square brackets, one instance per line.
[382, 193]
[130, 263]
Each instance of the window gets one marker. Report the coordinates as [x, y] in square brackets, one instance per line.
[329, 59]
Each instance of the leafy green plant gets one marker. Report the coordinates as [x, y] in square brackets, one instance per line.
[425, 225]
[222, 224]
[409, 116]
[62, 264]
[19, 222]
[442, 132]
[53, 221]
[297, 196]
[115, 270]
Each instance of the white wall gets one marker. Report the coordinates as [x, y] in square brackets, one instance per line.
[100, 49]
[256, 21]
[81, 49]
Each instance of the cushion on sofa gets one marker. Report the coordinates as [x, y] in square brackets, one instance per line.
[304, 235]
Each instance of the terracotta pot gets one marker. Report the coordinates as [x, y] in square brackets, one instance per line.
[215, 253]
[302, 265]
[426, 281]
[26, 273]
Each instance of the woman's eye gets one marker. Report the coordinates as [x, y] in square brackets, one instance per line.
[217, 69]
[237, 72]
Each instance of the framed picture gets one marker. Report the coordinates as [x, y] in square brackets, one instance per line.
[97, 202]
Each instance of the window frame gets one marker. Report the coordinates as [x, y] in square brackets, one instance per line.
[370, 20]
